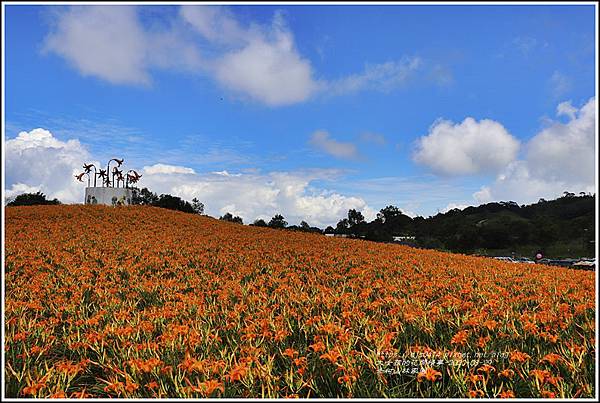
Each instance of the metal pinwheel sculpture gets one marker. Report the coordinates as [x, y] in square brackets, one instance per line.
[132, 177]
[108, 177]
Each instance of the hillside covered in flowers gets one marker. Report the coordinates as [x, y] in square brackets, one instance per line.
[146, 302]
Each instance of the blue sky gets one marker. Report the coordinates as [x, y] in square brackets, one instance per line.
[306, 110]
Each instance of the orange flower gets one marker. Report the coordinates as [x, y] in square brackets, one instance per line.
[152, 385]
[486, 368]
[474, 378]
[347, 379]
[540, 375]
[331, 356]
[507, 394]
[290, 352]
[506, 373]
[219, 300]
[80, 394]
[33, 388]
[237, 373]
[460, 338]
[490, 324]
[58, 395]
[429, 374]
[517, 356]
[167, 369]
[212, 385]
[115, 387]
[476, 393]
[482, 341]
[318, 346]
[551, 358]
[131, 387]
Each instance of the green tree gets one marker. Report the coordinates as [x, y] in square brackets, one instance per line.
[31, 199]
[229, 217]
[342, 227]
[260, 223]
[197, 206]
[173, 203]
[355, 218]
[304, 226]
[278, 221]
[143, 197]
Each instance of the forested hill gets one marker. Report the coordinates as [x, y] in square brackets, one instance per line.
[564, 227]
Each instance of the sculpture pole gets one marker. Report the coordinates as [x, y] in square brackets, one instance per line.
[88, 168]
[119, 162]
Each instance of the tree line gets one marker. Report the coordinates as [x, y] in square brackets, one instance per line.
[563, 226]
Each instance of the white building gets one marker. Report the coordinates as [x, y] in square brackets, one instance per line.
[109, 196]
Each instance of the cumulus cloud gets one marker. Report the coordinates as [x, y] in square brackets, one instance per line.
[37, 161]
[470, 147]
[111, 43]
[103, 41]
[256, 61]
[167, 169]
[253, 195]
[559, 158]
[322, 141]
[268, 69]
[19, 188]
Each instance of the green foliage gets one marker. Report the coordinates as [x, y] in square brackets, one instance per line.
[174, 203]
[149, 198]
[31, 199]
[260, 223]
[278, 221]
[304, 227]
[229, 217]
[559, 228]
[197, 206]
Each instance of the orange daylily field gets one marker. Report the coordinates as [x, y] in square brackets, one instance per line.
[145, 302]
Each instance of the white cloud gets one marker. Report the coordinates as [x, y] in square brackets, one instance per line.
[322, 141]
[256, 61]
[37, 161]
[19, 188]
[103, 41]
[452, 206]
[560, 84]
[225, 173]
[268, 68]
[559, 158]
[383, 77]
[253, 196]
[566, 109]
[215, 23]
[465, 148]
[167, 169]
